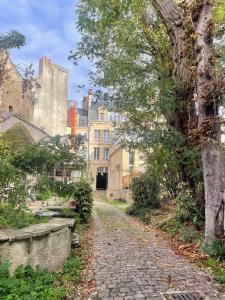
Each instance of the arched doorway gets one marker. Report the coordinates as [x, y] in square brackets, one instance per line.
[101, 178]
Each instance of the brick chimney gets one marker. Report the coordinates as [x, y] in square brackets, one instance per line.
[72, 117]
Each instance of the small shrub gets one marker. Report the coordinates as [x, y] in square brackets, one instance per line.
[187, 208]
[29, 284]
[171, 226]
[65, 190]
[72, 269]
[145, 196]
[84, 200]
[43, 195]
[216, 250]
[145, 191]
[188, 234]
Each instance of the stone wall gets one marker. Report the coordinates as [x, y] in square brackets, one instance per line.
[12, 97]
[50, 111]
[46, 245]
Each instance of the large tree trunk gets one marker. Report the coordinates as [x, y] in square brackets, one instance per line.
[192, 28]
[209, 122]
[182, 120]
[213, 163]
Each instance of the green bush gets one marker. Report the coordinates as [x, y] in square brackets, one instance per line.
[188, 234]
[83, 195]
[65, 190]
[171, 226]
[187, 209]
[43, 195]
[11, 217]
[29, 284]
[145, 191]
[145, 196]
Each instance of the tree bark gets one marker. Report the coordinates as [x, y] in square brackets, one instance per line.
[209, 123]
[204, 90]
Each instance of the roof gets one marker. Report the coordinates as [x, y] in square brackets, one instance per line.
[83, 117]
[8, 120]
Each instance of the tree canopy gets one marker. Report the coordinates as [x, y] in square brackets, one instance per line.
[12, 39]
[162, 61]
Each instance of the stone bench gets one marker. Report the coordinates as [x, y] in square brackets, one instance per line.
[46, 245]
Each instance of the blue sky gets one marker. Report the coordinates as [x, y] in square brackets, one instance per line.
[50, 30]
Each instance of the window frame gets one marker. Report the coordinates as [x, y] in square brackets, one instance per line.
[96, 153]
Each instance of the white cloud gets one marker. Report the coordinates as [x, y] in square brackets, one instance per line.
[50, 30]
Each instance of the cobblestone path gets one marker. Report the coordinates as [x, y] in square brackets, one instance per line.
[131, 263]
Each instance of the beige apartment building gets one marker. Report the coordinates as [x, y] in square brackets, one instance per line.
[110, 166]
[123, 166]
[95, 123]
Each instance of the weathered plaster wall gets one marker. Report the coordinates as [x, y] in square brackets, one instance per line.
[50, 111]
[45, 245]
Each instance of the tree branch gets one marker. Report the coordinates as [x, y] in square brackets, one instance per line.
[170, 13]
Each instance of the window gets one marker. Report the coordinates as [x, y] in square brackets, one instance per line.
[110, 117]
[10, 108]
[96, 153]
[131, 158]
[106, 135]
[102, 116]
[131, 161]
[106, 154]
[102, 170]
[97, 135]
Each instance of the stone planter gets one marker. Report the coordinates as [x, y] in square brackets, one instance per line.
[46, 245]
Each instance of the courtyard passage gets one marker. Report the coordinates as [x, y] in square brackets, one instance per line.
[130, 263]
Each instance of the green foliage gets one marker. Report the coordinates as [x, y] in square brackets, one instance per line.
[216, 249]
[171, 226]
[174, 227]
[65, 190]
[12, 180]
[72, 269]
[57, 151]
[84, 200]
[11, 217]
[189, 235]
[145, 191]
[187, 210]
[12, 39]
[29, 284]
[33, 159]
[136, 76]
[43, 187]
[217, 269]
[43, 195]
[145, 196]
[142, 213]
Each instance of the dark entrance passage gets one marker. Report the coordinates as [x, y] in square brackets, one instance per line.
[102, 178]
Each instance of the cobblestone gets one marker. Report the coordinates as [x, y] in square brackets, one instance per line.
[131, 263]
